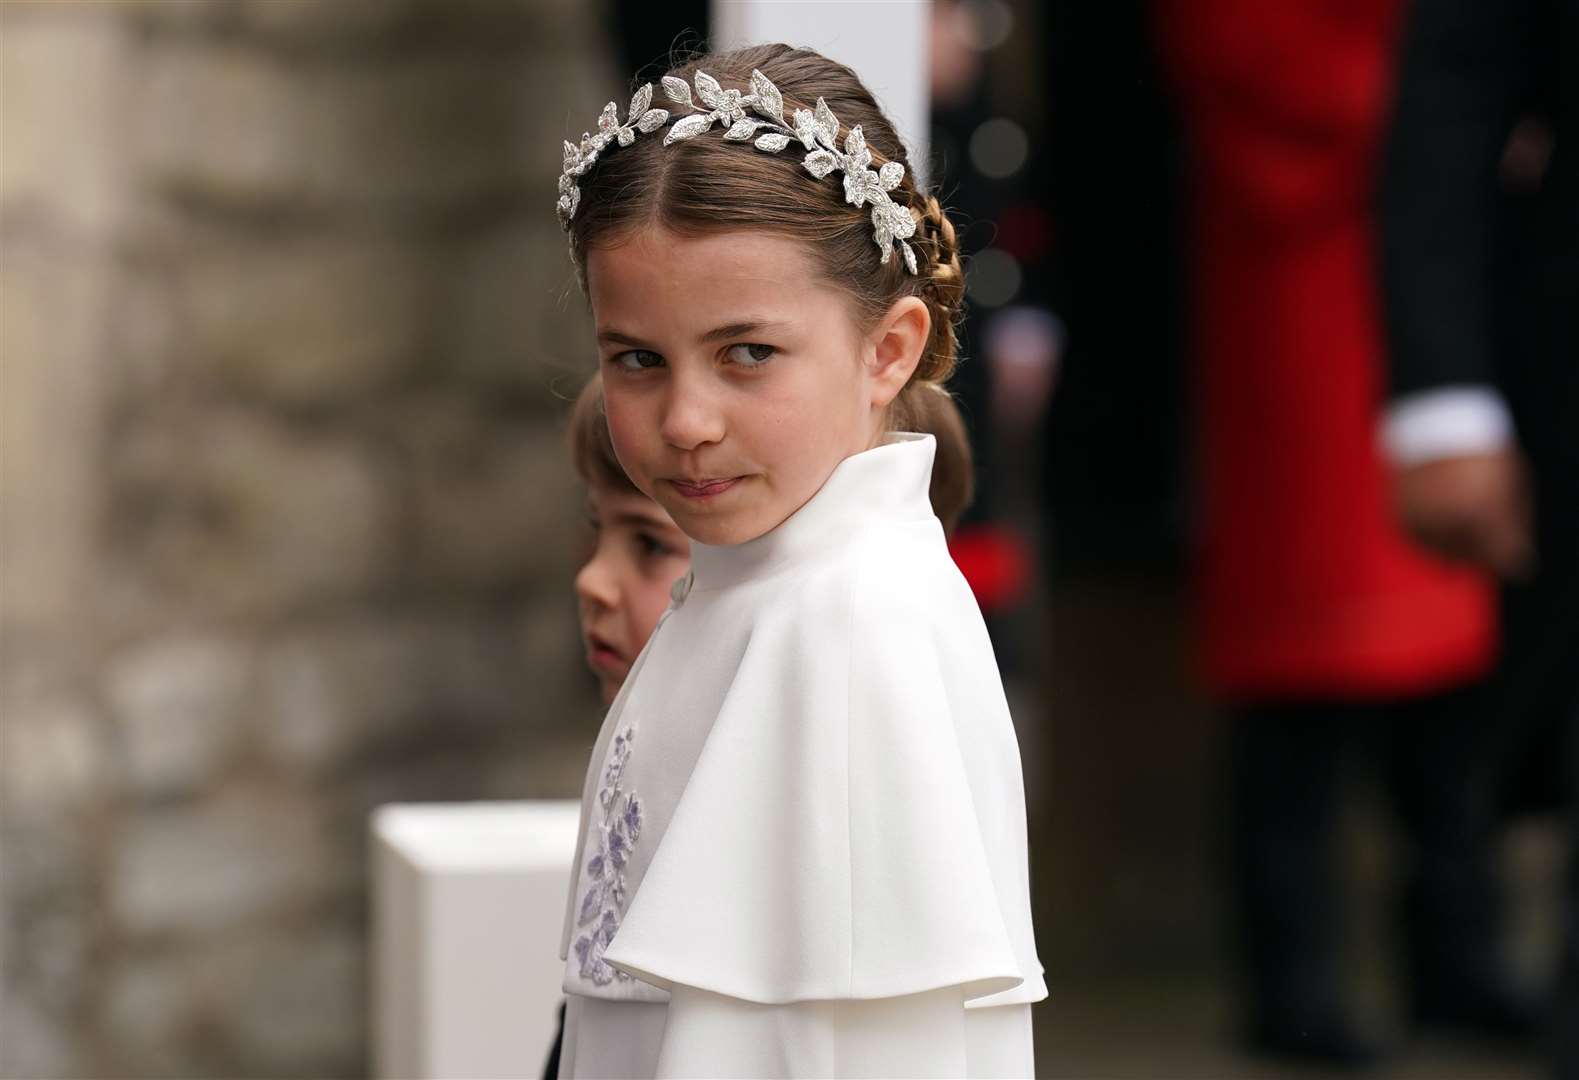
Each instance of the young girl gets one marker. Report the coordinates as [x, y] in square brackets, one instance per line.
[802, 849]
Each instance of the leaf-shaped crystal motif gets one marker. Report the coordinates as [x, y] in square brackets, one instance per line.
[708, 90]
[827, 124]
[816, 129]
[855, 150]
[603, 902]
[677, 90]
[770, 101]
[639, 102]
[689, 127]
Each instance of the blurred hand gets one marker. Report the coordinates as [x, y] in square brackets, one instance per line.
[1475, 508]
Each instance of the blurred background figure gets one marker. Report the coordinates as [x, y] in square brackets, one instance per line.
[1481, 254]
[1323, 630]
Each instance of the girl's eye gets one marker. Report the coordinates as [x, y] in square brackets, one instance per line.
[750, 356]
[638, 360]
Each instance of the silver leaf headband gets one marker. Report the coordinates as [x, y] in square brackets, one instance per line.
[818, 132]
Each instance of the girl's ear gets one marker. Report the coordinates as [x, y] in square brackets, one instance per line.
[896, 346]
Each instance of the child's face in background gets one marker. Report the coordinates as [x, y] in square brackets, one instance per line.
[734, 381]
[624, 586]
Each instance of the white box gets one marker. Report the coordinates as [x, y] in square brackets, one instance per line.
[468, 905]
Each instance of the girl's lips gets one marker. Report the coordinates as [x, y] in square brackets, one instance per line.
[705, 489]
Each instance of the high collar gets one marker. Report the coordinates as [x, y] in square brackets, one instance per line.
[891, 480]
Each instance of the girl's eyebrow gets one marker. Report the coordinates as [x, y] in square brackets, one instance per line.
[619, 337]
[740, 329]
[737, 329]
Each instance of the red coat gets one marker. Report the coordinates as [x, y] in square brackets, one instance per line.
[1306, 585]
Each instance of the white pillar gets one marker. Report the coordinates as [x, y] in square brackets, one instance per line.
[468, 905]
[886, 42]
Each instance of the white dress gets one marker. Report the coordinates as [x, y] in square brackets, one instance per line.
[802, 848]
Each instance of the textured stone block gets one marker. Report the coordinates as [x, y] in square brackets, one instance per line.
[307, 323]
[495, 501]
[317, 20]
[547, 638]
[266, 1000]
[179, 706]
[63, 115]
[51, 302]
[234, 513]
[36, 1042]
[514, 320]
[213, 865]
[248, 129]
[53, 758]
[333, 690]
[221, 119]
[151, 1005]
[310, 984]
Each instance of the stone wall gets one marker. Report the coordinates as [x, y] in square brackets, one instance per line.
[286, 526]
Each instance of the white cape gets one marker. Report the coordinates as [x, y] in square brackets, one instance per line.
[809, 788]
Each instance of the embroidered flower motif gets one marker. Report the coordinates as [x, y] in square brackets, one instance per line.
[604, 901]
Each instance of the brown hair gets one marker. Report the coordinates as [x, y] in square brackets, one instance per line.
[704, 185]
[953, 468]
[591, 449]
[953, 486]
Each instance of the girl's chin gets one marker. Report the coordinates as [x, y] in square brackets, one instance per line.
[720, 530]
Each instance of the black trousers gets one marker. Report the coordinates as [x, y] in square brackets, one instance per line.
[1287, 767]
[1567, 1012]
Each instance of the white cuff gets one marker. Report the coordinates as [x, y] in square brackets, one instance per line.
[1456, 421]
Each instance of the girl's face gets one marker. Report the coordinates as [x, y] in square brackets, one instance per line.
[624, 586]
[734, 381]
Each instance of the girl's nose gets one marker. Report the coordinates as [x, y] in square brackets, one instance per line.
[690, 417]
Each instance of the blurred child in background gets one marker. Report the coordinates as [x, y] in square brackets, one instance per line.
[637, 555]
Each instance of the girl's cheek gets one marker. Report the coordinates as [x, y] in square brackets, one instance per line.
[623, 433]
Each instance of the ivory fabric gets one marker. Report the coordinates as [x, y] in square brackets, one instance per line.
[803, 842]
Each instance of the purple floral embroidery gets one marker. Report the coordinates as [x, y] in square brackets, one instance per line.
[604, 901]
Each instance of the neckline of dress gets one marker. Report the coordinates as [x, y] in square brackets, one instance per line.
[893, 479]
